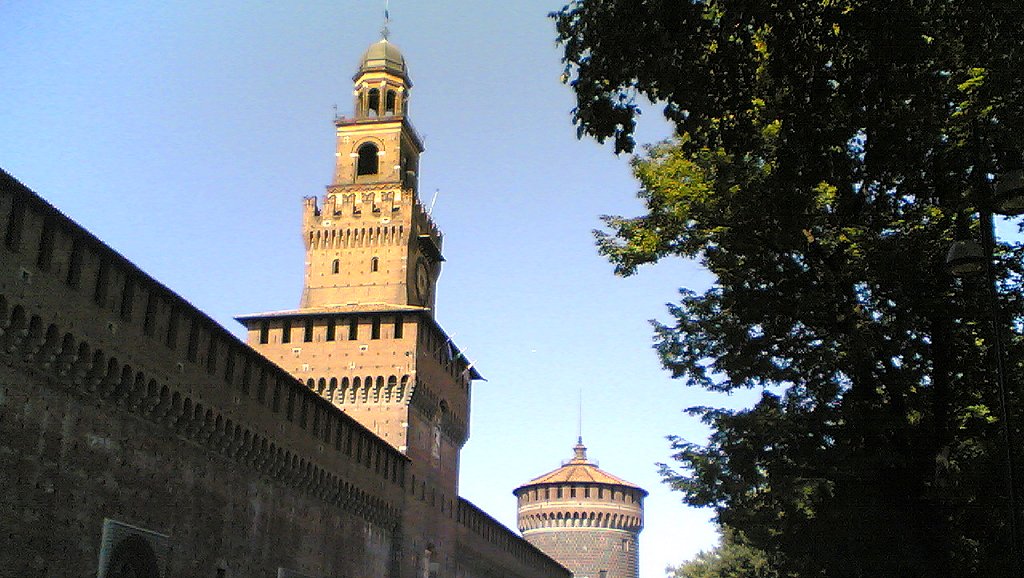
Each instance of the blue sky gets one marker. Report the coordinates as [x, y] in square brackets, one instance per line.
[185, 135]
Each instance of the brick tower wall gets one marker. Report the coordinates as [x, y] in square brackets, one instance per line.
[587, 552]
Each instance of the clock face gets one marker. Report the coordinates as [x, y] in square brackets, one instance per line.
[422, 280]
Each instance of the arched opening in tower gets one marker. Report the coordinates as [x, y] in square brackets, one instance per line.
[373, 102]
[368, 160]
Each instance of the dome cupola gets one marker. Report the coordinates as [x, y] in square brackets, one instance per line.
[382, 82]
[383, 56]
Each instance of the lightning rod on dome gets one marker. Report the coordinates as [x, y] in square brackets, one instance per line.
[385, 30]
[579, 418]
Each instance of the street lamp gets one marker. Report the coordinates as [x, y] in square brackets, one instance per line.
[1009, 194]
[967, 258]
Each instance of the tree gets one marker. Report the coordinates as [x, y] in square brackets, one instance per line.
[730, 559]
[826, 155]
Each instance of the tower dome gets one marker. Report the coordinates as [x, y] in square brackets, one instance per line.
[583, 517]
[383, 56]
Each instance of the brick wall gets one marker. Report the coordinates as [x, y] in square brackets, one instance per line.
[119, 400]
[589, 551]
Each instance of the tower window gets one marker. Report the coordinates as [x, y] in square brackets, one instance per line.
[373, 102]
[375, 328]
[398, 326]
[368, 160]
[330, 329]
[374, 264]
[286, 331]
[264, 332]
[335, 266]
[389, 103]
[353, 329]
[307, 333]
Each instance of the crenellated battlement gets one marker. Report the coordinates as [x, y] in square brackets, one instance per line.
[424, 225]
[342, 201]
[479, 528]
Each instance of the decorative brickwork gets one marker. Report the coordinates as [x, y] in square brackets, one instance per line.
[584, 517]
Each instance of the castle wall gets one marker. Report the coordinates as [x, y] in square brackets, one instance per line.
[119, 400]
[71, 461]
[487, 549]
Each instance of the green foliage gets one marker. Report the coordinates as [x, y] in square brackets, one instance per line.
[730, 559]
[827, 153]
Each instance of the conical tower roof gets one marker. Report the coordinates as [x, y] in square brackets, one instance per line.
[579, 470]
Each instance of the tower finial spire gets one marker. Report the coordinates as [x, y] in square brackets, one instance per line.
[579, 418]
[579, 450]
[385, 30]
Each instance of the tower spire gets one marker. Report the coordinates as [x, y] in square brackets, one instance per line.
[579, 418]
[385, 30]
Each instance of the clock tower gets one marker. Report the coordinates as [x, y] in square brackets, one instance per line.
[364, 335]
[371, 242]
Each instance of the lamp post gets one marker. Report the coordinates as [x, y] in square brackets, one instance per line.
[967, 258]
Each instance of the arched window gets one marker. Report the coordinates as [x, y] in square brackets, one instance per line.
[335, 266]
[389, 102]
[368, 160]
[374, 264]
[373, 102]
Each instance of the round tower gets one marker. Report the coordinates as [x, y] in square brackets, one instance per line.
[585, 518]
